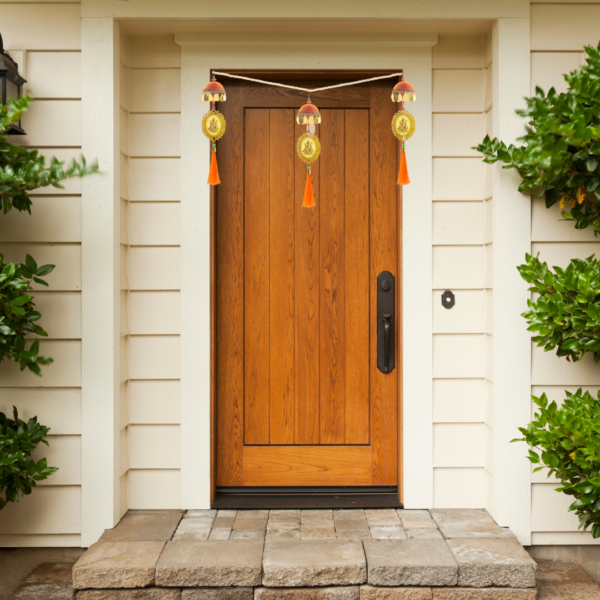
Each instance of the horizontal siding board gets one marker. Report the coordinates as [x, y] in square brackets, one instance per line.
[488, 221]
[448, 185]
[464, 52]
[155, 179]
[155, 489]
[488, 304]
[51, 123]
[59, 409]
[41, 541]
[48, 509]
[54, 74]
[124, 87]
[549, 369]
[547, 225]
[124, 266]
[564, 26]
[155, 446]
[154, 52]
[458, 400]
[52, 219]
[488, 78]
[155, 313]
[550, 509]
[61, 314]
[548, 68]
[48, 26]
[124, 132]
[124, 451]
[155, 223]
[124, 177]
[154, 135]
[155, 402]
[458, 356]
[457, 223]
[124, 358]
[457, 267]
[458, 488]
[457, 91]
[560, 254]
[65, 371]
[446, 142]
[155, 357]
[466, 316]
[64, 452]
[155, 90]
[488, 268]
[563, 538]
[155, 268]
[458, 445]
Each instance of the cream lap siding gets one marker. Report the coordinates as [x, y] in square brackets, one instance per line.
[558, 33]
[45, 39]
[459, 264]
[154, 238]
[125, 264]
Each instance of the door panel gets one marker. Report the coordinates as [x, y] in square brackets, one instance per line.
[299, 398]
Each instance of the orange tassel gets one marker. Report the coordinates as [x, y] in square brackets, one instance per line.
[213, 174]
[403, 174]
[309, 199]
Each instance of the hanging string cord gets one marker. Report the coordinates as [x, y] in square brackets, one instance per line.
[310, 91]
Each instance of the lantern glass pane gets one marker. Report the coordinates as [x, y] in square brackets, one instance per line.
[12, 90]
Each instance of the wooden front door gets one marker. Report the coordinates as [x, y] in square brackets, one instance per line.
[299, 398]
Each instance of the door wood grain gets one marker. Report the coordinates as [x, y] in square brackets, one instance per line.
[299, 400]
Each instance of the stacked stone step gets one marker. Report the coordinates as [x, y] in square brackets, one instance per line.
[307, 555]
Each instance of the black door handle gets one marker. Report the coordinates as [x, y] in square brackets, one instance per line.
[386, 294]
[387, 336]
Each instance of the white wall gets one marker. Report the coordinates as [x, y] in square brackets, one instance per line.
[558, 33]
[45, 39]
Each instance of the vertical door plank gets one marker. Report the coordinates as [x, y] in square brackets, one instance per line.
[332, 342]
[256, 279]
[229, 296]
[356, 351]
[384, 257]
[307, 304]
[282, 209]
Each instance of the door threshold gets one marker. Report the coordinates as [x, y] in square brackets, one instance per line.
[266, 498]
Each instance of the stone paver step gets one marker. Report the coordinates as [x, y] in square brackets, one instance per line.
[393, 554]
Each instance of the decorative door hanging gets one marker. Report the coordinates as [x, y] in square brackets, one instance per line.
[308, 146]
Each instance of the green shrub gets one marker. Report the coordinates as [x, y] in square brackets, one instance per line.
[566, 441]
[566, 314]
[560, 158]
[18, 472]
[22, 171]
[18, 315]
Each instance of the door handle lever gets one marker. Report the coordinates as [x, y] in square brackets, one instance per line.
[387, 336]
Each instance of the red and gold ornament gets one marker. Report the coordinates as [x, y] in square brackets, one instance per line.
[213, 125]
[403, 124]
[308, 146]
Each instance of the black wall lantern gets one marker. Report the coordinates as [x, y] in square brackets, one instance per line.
[10, 84]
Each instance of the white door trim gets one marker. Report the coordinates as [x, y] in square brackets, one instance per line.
[197, 58]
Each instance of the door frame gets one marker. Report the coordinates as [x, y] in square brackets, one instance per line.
[197, 343]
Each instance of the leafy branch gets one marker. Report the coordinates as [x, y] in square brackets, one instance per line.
[560, 157]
